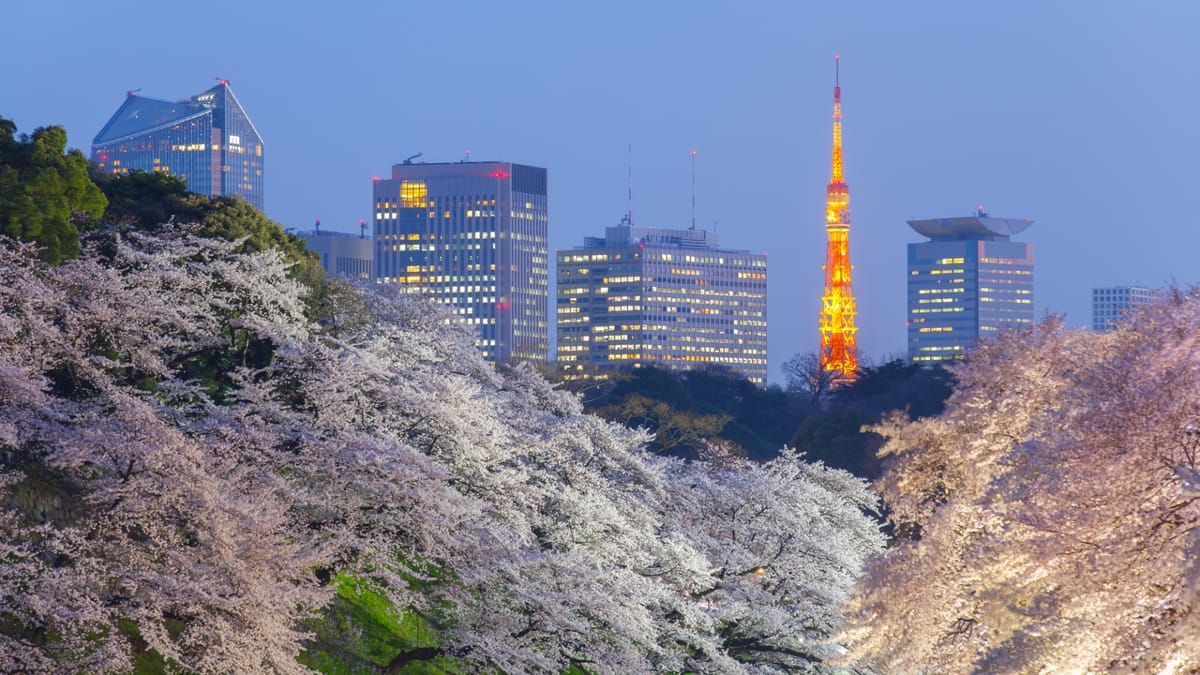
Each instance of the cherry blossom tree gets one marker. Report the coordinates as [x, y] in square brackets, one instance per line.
[191, 468]
[120, 529]
[1052, 509]
[787, 540]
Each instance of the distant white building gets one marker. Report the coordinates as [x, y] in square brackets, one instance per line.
[342, 254]
[1110, 304]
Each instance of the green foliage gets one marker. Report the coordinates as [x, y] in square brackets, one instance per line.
[363, 632]
[674, 430]
[682, 408]
[146, 661]
[45, 191]
[897, 385]
[148, 200]
[836, 439]
[760, 420]
[140, 199]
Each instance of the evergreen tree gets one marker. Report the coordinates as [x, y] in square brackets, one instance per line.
[45, 191]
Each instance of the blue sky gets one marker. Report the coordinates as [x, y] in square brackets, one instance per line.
[1080, 115]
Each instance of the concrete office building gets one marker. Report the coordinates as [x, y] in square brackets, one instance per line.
[966, 283]
[661, 297]
[342, 254]
[1112, 303]
[207, 140]
[473, 236]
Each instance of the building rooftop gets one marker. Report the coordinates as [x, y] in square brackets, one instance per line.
[624, 235]
[139, 114]
[979, 226]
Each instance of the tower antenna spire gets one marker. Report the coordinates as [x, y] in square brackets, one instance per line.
[629, 169]
[693, 189]
[839, 342]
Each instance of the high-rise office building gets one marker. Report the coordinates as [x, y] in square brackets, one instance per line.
[966, 283]
[207, 140]
[342, 254]
[1109, 305]
[473, 236]
[661, 297]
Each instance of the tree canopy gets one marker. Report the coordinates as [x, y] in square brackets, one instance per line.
[45, 192]
[1052, 512]
[249, 516]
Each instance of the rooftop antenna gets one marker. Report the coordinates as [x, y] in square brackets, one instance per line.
[318, 226]
[629, 169]
[221, 80]
[133, 92]
[362, 229]
[693, 189]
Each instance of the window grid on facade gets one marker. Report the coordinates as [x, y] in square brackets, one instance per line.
[472, 236]
[967, 283]
[661, 297]
[207, 140]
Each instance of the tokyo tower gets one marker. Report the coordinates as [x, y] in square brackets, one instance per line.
[839, 348]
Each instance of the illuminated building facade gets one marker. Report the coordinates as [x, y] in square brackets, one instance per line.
[207, 140]
[965, 284]
[839, 342]
[1110, 305]
[342, 254]
[661, 297]
[473, 236]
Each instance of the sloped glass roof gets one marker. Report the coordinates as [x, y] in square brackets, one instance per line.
[139, 114]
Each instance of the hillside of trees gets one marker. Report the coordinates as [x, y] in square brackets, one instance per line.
[1048, 519]
[213, 459]
[685, 411]
[207, 467]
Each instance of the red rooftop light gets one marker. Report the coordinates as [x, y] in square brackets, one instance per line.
[499, 174]
[376, 179]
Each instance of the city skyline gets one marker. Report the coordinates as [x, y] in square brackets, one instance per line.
[1069, 114]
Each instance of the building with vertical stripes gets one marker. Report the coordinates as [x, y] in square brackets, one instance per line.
[472, 236]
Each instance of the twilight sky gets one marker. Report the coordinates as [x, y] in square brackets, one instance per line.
[1084, 116]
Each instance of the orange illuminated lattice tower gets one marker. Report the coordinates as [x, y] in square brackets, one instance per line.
[839, 347]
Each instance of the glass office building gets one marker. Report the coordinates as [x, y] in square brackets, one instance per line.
[207, 140]
[661, 297]
[966, 283]
[473, 236]
[1110, 305]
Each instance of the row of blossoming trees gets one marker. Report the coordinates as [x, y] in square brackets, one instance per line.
[1050, 514]
[207, 467]
[192, 470]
